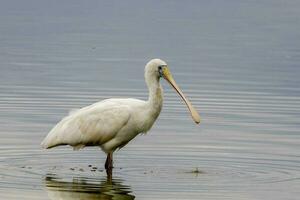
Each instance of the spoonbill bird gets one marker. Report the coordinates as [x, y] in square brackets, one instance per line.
[112, 123]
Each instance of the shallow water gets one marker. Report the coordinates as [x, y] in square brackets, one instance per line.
[238, 62]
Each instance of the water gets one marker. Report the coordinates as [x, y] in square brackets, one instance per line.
[237, 61]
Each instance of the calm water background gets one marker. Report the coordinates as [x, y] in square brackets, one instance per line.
[237, 61]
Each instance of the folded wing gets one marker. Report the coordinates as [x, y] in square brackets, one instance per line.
[92, 125]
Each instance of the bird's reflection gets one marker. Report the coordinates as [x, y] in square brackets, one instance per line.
[86, 188]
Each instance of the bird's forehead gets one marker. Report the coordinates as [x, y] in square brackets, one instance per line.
[157, 62]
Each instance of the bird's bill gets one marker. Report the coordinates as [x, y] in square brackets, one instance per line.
[168, 77]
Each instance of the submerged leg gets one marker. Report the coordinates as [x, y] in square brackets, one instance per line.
[109, 161]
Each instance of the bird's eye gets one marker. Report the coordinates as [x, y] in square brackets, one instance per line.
[160, 71]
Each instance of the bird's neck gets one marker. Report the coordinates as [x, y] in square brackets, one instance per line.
[155, 99]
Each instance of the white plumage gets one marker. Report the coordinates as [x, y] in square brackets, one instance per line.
[104, 123]
[112, 123]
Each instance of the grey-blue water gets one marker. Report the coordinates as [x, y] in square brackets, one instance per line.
[237, 61]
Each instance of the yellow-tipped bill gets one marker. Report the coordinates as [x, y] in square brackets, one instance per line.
[168, 76]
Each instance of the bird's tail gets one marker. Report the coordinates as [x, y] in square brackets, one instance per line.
[45, 144]
[49, 142]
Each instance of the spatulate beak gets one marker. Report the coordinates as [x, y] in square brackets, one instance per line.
[168, 77]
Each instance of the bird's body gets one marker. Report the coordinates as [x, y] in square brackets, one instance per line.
[112, 123]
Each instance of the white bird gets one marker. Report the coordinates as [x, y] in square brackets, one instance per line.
[112, 123]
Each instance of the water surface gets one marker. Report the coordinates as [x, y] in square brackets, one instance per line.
[238, 62]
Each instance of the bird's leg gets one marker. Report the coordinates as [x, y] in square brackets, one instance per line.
[109, 161]
[109, 166]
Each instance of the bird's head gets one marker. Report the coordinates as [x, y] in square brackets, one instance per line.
[154, 68]
[158, 68]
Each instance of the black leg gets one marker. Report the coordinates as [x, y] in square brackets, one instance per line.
[109, 165]
[109, 161]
